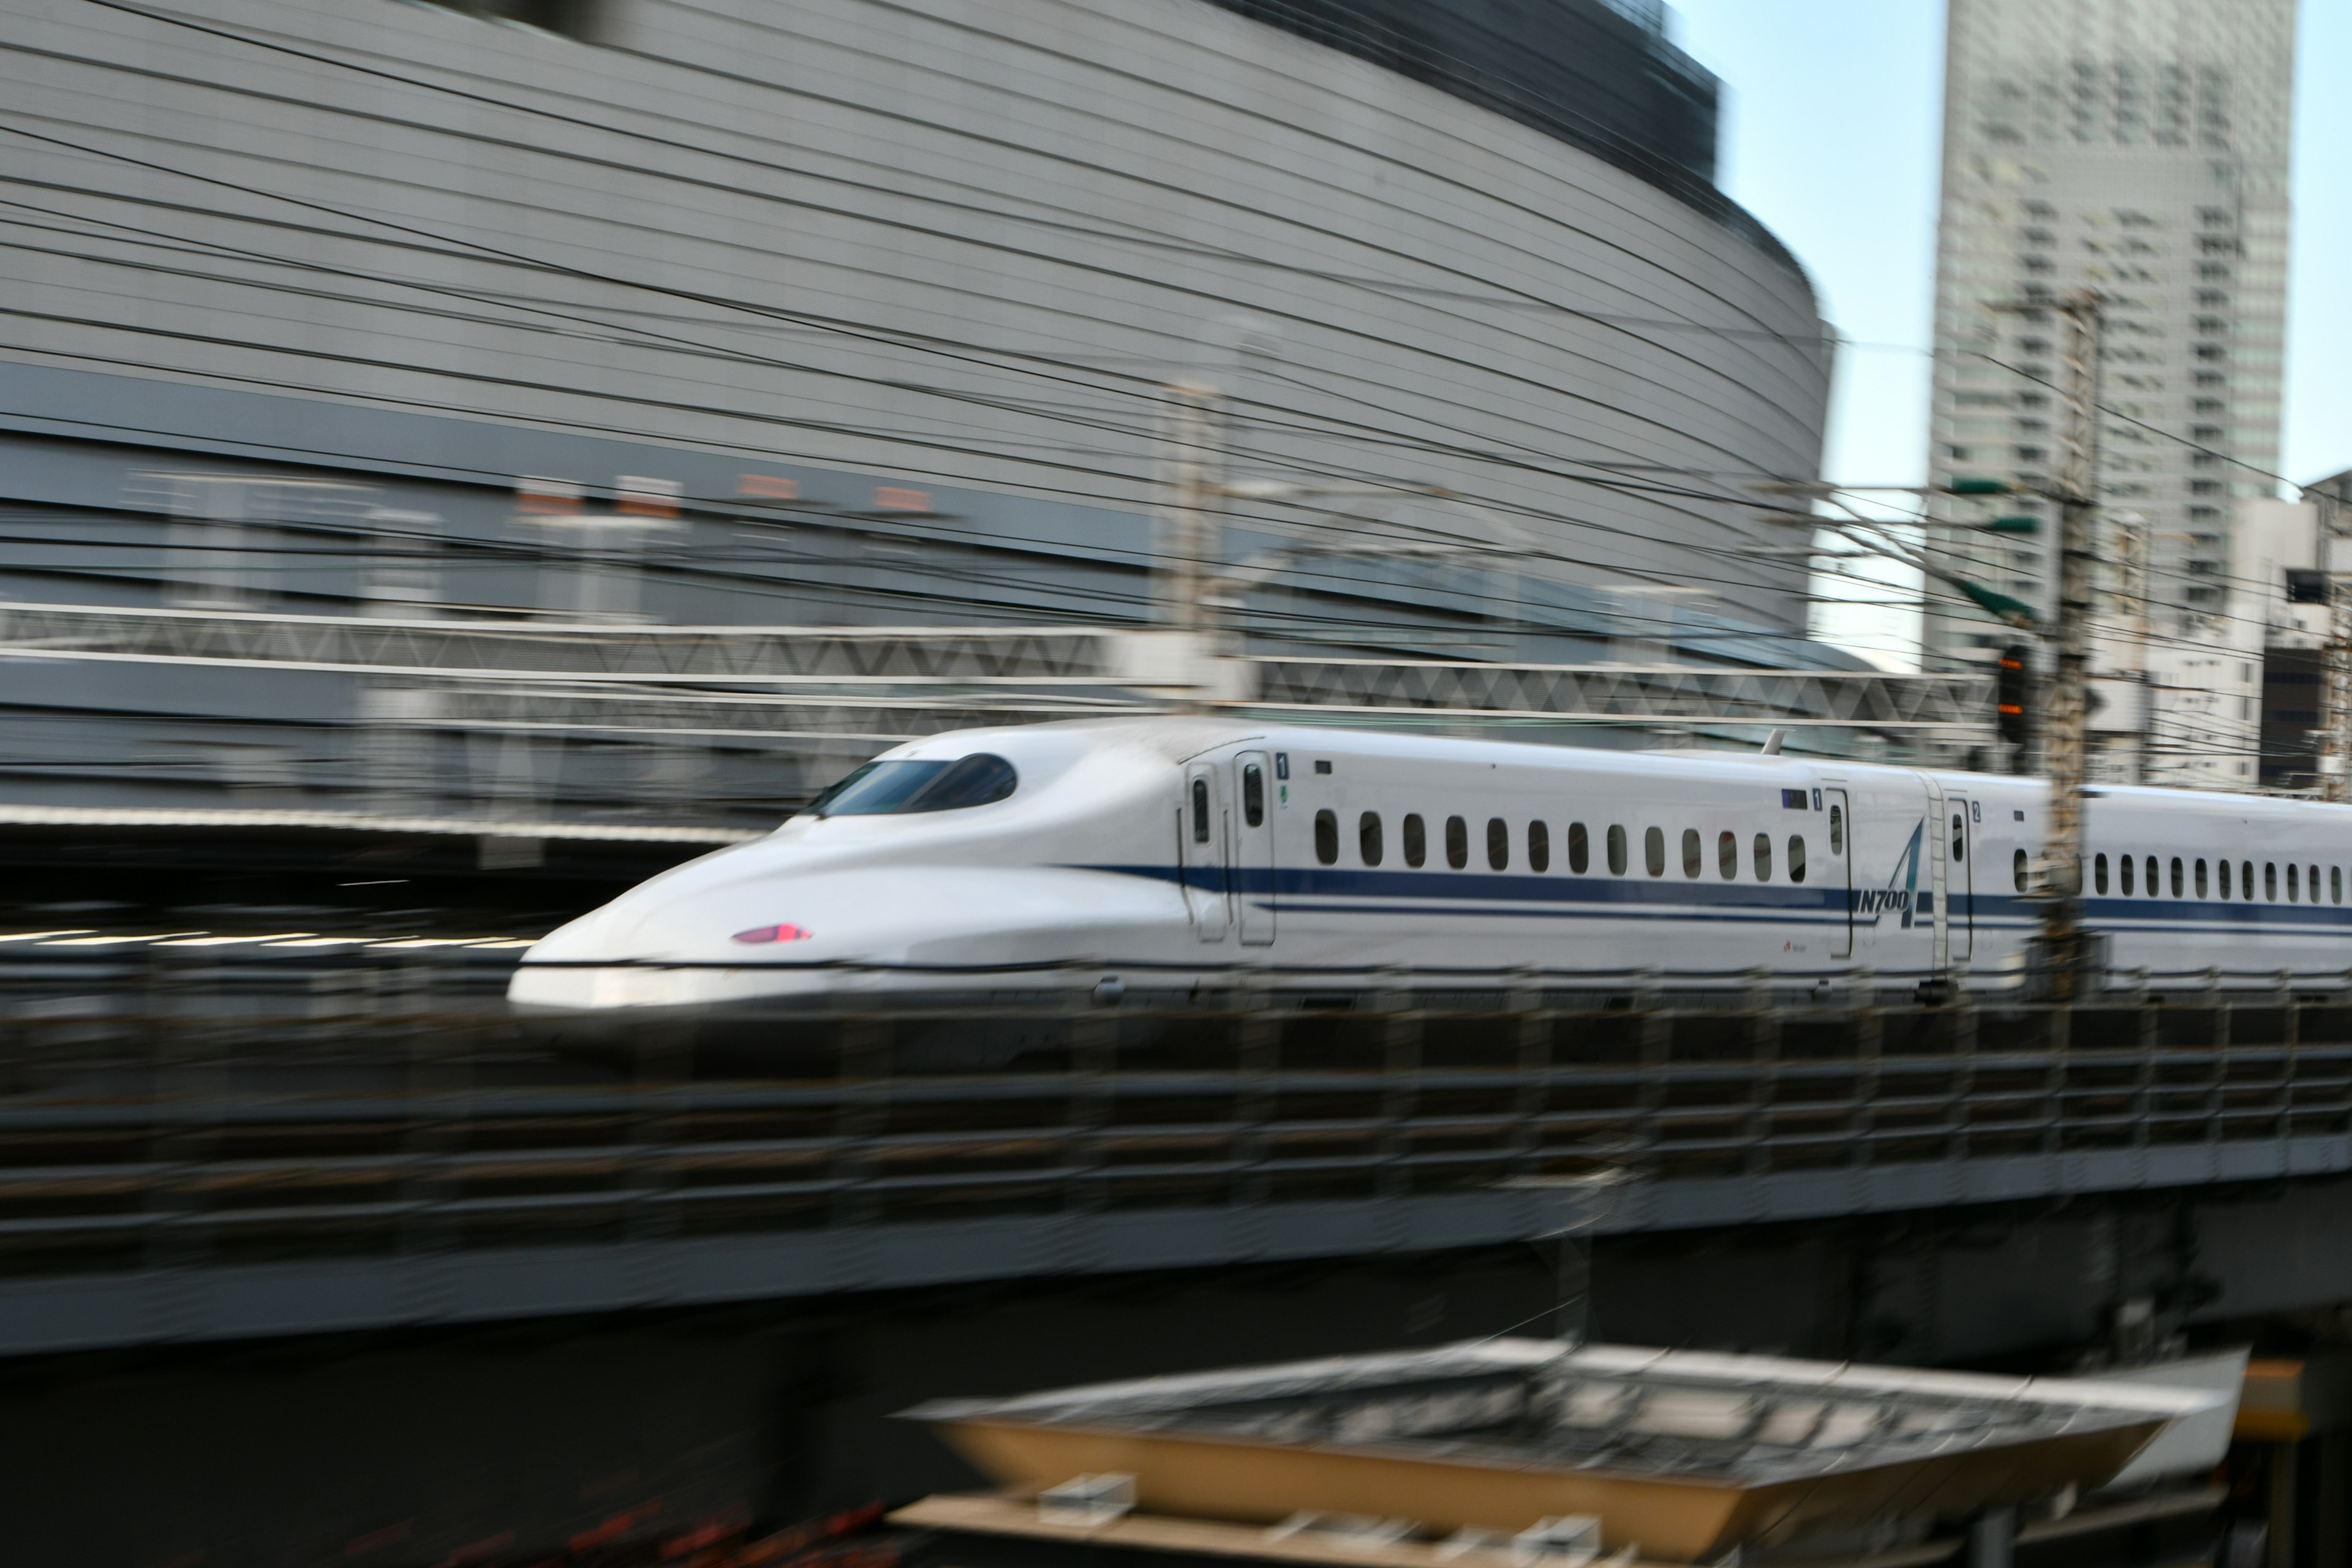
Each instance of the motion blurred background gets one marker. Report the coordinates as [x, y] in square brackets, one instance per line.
[457, 461]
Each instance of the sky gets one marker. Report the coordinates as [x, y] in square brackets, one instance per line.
[1832, 118]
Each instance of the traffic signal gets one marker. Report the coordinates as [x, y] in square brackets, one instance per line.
[2009, 693]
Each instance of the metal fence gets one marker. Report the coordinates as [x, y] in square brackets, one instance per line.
[169, 1111]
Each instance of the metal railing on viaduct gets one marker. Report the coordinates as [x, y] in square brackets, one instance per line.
[227, 1142]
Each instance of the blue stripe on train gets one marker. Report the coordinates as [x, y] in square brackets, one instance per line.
[1482, 893]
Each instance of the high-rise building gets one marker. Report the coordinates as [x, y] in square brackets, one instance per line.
[2138, 148]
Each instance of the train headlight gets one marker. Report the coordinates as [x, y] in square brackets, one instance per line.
[774, 933]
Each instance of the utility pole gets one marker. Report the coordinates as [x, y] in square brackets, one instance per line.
[1192, 545]
[2134, 551]
[2064, 737]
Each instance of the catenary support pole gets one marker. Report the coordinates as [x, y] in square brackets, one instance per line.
[2066, 713]
[1192, 427]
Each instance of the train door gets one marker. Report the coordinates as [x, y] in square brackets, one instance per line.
[1960, 877]
[1839, 872]
[1201, 837]
[1253, 875]
[1938, 879]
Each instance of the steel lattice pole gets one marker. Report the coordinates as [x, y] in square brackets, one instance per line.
[2066, 713]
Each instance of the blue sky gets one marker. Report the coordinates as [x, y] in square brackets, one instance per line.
[1833, 116]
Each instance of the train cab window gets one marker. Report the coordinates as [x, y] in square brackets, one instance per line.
[1837, 830]
[1416, 841]
[2291, 881]
[1654, 851]
[1580, 849]
[2201, 879]
[1254, 794]
[1368, 837]
[1616, 850]
[1690, 852]
[1498, 844]
[2270, 881]
[2128, 866]
[1763, 857]
[1327, 838]
[2179, 877]
[1795, 856]
[2017, 870]
[1727, 855]
[1457, 843]
[2099, 873]
[907, 787]
[1538, 846]
[1199, 811]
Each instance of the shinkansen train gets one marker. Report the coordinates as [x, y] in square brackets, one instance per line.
[1168, 852]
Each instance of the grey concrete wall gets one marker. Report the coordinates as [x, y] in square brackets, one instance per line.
[957, 242]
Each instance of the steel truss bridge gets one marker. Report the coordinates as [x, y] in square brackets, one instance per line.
[789, 709]
[819, 699]
[234, 1139]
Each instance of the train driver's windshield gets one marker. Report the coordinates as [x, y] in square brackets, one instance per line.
[891, 789]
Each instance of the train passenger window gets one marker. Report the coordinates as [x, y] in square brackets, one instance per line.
[2017, 870]
[1199, 811]
[1538, 846]
[1837, 830]
[1763, 857]
[1616, 850]
[2180, 883]
[1457, 843]
[1580, 849]
[2291, 880]
[1327, 838]
[2246, 879]
[1254, 794]
[2336, 884]
[2269, 880]
[2152, 888]
[2201, 879]
[1498, 844]
[2224, 867]
[2099, 873]
[1690, 852]
[1727, 855]
[2126, 866]
[1795, 856]
[2313, 884]
[1416, 841]
[1654, 851]
[1368, 837]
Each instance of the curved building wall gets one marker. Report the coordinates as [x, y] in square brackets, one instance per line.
[950, 243]
[1600, 74]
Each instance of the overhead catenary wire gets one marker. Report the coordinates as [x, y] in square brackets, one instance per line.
[314, 55]
[1000, 402]
[861, 215]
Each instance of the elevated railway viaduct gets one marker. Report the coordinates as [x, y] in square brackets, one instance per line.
[306, 1232]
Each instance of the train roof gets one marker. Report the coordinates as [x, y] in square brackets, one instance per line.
[1176, 737]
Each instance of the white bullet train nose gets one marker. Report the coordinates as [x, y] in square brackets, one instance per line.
[744, 927]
